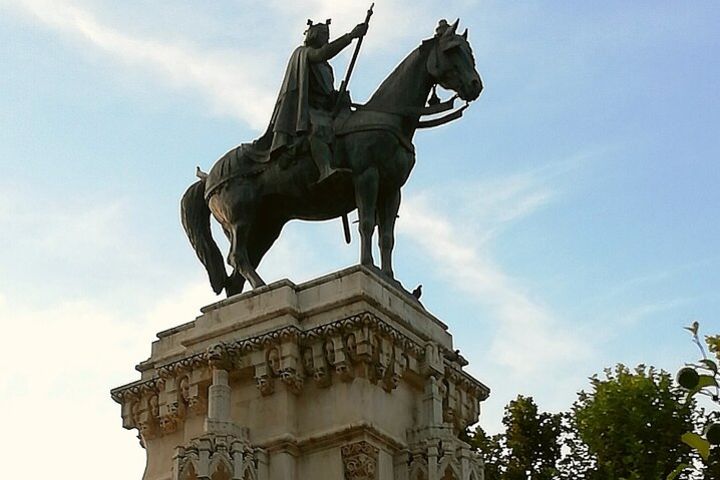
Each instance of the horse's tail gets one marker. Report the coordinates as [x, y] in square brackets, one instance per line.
[195, 216]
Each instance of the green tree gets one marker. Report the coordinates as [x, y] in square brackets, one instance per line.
[631, 422]
[532, 440]
[703, 379]
[491, 448]
[528, 450]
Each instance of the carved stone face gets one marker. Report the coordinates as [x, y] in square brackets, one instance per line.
[166, 423]
[135, 412]
[320, 373]
[154, 406]
[145, 428]
[308, 359]
[330, 351]
[273, 360]
[405, 361]
[216, 354]
[377, 345]
[351, 344]
[185, 388]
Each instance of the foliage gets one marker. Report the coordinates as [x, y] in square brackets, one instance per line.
[628, 426]
[631, 422]
[702, 378]
[492, 449]
[711, 469]
[532, 440]
[530, 447]
[713, 343]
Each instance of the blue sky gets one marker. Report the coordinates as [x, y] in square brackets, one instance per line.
[567, 223]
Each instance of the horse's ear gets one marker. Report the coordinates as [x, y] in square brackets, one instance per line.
[464, 34]
[453, 27]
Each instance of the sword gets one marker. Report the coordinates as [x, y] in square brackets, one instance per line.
[341, 93]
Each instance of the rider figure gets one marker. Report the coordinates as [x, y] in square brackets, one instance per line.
[307, 97]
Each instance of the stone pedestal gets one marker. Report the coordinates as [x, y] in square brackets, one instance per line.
[345, 377]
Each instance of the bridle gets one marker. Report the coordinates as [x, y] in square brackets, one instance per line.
[434, 107]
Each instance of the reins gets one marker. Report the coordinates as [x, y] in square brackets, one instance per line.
[433, 108]
[422, 111]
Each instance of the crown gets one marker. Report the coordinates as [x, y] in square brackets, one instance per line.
[312, 25]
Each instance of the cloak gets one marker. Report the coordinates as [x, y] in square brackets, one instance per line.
[291, 116]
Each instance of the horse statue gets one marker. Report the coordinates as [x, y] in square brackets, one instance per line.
[253, 200]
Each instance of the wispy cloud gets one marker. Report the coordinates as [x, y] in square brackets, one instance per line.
[530, 337]
[637, 314]
[60, 371]
[80, 233]
[392, 20]
[241, 83]
[235, 85]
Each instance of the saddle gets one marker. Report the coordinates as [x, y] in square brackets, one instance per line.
[251, 159]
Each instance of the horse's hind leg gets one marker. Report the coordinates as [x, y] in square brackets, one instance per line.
[238, 256]
[235, 283]
[366, 191]
[387, 214]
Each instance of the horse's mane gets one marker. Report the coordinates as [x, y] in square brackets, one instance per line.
[388, 90]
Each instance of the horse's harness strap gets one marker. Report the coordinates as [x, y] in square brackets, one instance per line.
[419, 112]
[412, 111]
[436, 122]
[407, 144]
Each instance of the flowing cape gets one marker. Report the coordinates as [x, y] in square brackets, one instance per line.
[291, 116]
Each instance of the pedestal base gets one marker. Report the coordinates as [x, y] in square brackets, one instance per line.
[344, 377]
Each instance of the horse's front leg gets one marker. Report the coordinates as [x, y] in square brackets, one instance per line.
[366, 191]
[387, 214]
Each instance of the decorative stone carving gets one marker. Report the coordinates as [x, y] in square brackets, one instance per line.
[406, 395]
[351, 346]
[265, 383]
[329, 350]
[308, 361]
[148, 419]
[218, 356]
[273, 361]
[359, 345]
[360, 461]
[218, 456]
[293, 380]
[436, 452]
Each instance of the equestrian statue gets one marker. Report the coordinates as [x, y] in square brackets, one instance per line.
[323, 156]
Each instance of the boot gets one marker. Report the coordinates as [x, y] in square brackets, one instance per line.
[322, 155]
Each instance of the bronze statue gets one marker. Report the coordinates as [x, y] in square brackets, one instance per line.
[307, 98]
[289, 172]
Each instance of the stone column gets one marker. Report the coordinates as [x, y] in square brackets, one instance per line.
[219, 397]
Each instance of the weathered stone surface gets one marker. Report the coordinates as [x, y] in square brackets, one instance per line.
[344, 377]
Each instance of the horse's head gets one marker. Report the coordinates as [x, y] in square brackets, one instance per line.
[451, 62]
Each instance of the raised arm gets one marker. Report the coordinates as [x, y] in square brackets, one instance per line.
[329, 50]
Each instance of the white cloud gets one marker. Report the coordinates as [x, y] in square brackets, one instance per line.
[56, 371]
[80, 244]
[530, 336]
[391, 20]
[236, 85]
[455, 227]
[637, 314]
[241, 84]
